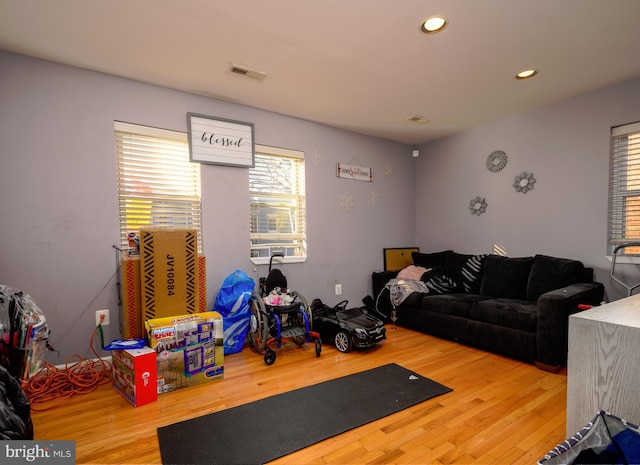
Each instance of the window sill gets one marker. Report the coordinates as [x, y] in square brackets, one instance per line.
[624, 260]
[265, 260]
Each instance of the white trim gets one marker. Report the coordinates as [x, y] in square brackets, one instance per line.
[279, 151]
[149, 131]
[64, 366]
[625, 129]
[265, 260]
[625, 260]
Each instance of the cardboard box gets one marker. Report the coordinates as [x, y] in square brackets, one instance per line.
[189, 349]
[202, 283]
[131, 321]
[169, 272]
[134, 375]
[132, 324]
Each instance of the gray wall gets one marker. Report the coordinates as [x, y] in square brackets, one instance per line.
[58, 203]
[58, 200]
[566, 147]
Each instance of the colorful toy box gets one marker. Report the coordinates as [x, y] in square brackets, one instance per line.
[134, 375]
[189, 349]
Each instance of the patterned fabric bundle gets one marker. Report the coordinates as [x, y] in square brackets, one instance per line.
[605, 439]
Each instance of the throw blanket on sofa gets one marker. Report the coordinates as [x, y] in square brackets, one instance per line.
[400, 289]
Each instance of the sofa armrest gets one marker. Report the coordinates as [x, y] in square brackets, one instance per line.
[380, 280]
[554, 308]
[381, 300]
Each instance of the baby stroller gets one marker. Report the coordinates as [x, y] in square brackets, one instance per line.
[277, 313]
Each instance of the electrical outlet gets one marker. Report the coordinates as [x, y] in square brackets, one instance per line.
[338, 289]
[106, 321]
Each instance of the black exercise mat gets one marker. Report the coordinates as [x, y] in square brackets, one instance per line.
[266, 429]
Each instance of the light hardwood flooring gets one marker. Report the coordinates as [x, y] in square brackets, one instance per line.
[501, 411]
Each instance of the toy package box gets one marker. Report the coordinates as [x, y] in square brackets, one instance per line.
[134, 375]
[189, 349]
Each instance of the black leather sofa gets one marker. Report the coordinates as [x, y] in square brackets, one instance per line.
[518, 307]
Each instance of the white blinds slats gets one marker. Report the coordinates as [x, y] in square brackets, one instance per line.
[158, 186]
[624, 197]
[277, 203]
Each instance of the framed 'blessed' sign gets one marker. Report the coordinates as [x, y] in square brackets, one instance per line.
[220, 141]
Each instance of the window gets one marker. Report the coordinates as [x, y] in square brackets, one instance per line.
[157, 184]
[277, 199]
[624, 187]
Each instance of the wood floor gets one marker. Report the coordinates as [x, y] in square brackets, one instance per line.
[501, 411]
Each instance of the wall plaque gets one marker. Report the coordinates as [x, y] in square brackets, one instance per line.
[359, 173]
[220, 141]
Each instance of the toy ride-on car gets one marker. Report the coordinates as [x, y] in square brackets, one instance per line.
[347, 328]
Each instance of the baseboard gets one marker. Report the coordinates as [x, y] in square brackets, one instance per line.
[63, 366]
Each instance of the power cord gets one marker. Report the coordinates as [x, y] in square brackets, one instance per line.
[51, 385]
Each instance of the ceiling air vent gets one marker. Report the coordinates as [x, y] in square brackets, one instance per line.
[251, 73]
[416, 119]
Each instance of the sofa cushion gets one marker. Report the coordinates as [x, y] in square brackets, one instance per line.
[413, 300]
[466, 270]
[510, 313]
[549, 273]
[450, 304]
[438, 281]
[506, 277]
[430, 260]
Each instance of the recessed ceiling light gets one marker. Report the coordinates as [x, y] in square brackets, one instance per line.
[526, 74]
[433, 24]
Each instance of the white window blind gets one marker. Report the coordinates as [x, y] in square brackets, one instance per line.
[624, 187]
[277, 201]
[158, 186]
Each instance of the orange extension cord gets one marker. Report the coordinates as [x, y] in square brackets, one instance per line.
[51, 385]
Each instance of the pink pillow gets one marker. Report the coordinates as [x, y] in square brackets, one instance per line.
[412, 272]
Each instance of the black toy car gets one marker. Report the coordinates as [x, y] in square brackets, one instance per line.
[346, 328]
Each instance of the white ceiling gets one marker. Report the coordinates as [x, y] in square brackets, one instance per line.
[361, 65]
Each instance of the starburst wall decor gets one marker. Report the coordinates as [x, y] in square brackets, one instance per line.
[478, 206]
[315, 158]
[346, 202]
[524, 182]
[374, 197]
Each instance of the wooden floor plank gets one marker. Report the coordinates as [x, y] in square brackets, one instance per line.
[499, 410]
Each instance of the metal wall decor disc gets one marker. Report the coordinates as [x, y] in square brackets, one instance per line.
[496, 161]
